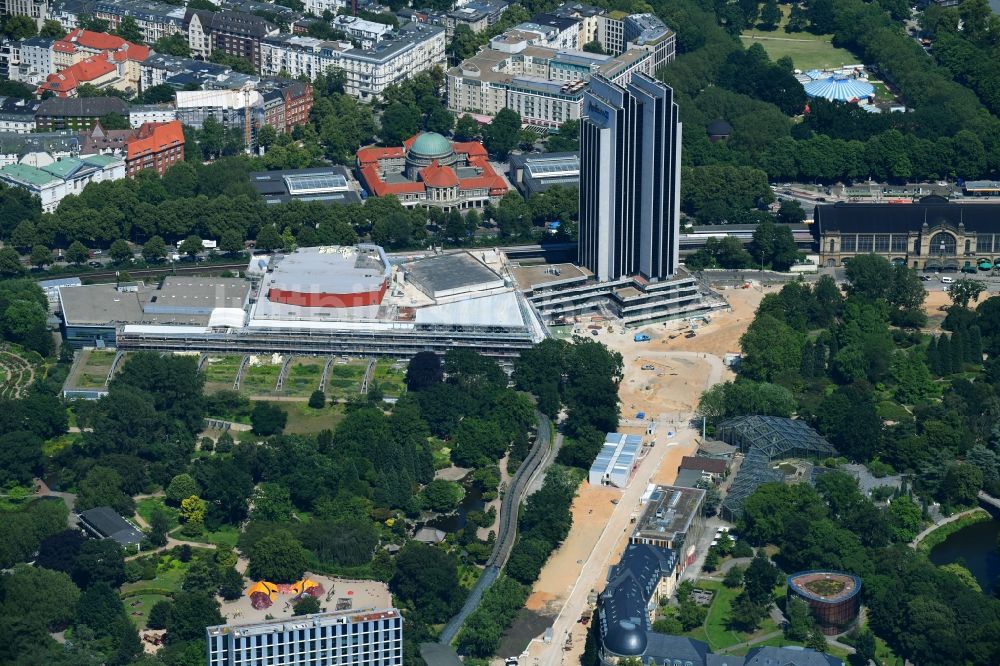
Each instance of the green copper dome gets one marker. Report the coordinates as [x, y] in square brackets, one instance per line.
[431, 144]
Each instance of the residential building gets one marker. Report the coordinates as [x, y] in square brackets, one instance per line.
[140, 114]
[413, 49]
[99, 141]
[368, 33]
[556, 32]
[430, 170]
[58, 179]
[36, 9]
[588, 19]
[156, 146]
[58, 113]
[630, 147]
[198, 27]
[240, 35]
[317, 7]
[371, 637]
[97, 71]
[544, 85]
[10, 58]
[155, 19]
[17, 115]
[18, 147]
[329, 185]
[477, 15]
[288, 106]
[930, 234]
[532, 174]
[619, 32]
[673, 518]
[36, 61]
[185, 73]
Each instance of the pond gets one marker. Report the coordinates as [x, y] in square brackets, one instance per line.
[455, 522]
[975, 547]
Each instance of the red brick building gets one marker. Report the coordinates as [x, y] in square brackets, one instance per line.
[287, 107]
[155, 146]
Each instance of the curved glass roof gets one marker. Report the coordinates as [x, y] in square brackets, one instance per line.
[840, 89]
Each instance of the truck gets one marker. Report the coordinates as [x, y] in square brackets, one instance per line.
[640, 337]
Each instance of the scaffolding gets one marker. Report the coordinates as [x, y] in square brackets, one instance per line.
[764, 439]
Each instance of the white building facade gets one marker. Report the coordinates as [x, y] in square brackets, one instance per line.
[53, 180]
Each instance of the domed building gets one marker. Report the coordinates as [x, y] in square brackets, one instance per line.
[430, 170]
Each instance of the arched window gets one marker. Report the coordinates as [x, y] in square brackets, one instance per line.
[831, 245]
[942, 243]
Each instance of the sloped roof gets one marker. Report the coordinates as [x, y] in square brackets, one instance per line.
[109, 525]
[154, 137]
[436, 175]
[84, 71]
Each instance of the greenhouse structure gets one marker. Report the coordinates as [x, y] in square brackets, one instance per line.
[764, 439]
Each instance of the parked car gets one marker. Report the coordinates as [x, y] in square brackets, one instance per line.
[94, 264]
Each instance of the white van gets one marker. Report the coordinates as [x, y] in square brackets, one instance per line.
[947, 280]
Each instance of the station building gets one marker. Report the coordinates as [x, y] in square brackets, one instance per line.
[930, 234]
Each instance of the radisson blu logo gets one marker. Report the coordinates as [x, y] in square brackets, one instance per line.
[595, 110]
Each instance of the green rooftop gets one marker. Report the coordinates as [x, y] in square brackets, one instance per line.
[101, 160]
[27, 175]
[64, 167]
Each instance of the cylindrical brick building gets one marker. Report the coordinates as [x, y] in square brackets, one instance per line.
[833, 597]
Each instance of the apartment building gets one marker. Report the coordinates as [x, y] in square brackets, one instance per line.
[543, 84]
[77, 113]
[155, 19]
[36, 9]
[240, 35]
[33, 62]
[53, 180]
[198, 26]
[367, 33]
[619, 32]
[413, 49]
[17, 116]
[288, 106]
[156, 146]
[477, 15]
[357, 637]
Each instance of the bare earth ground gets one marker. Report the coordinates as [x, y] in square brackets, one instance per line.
[684, 367]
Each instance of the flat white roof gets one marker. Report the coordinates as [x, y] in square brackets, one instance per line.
[495, 310]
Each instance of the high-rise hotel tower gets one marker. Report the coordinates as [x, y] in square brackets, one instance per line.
[630, 148]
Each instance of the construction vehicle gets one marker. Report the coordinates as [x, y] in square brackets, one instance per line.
[640, 337]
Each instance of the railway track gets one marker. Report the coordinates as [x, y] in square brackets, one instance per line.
[538, 458]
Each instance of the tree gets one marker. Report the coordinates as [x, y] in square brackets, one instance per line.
[114, 121]
[99, 561]
[594, 47]
[231, 242]
[442, 496]
[770, 348]
[800, 619]
[191, 246]
[230, 584]
[268, 419]
[20, 457]
[193, 511]
[399, 122]
[191, 613]
[175, 45]
[733, 577]
[746, 615]
[77, 253]
[272, 503]
[159, 615]
[39, 597]
[503, 134]
[317, 400]
[759, 580]
[775, 245]
[159, 525]
[427, 578]
[770, 15]
[58, 552]
[277, 557]
[52, 29]
[965, 290]
[349, 541]
[129, 30]
[10, 263]
[307, 605]
[181, 487]
[103, 487]
[24, 236]
[120, 251]
[864, 649]
[154, 249]
[18, 27]
[961, 484]
[424, 370]
[466, 127]
[268, 238]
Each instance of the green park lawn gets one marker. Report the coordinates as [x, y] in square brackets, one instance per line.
[304, 420]
[260, 379]
[344, 380]
[91, 369]
[138, 607]
[807, 51]
[220, 372]
[303, 377]
[226, 535]
[390, 375]
[147, 505]
[716, 631]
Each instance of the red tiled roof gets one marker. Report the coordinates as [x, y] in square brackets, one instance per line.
[374, 182]
[373, 154]
[436, 175]
[63, 47]
[153, 138]
[84, 71]
[470, 148]
[100, 41]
